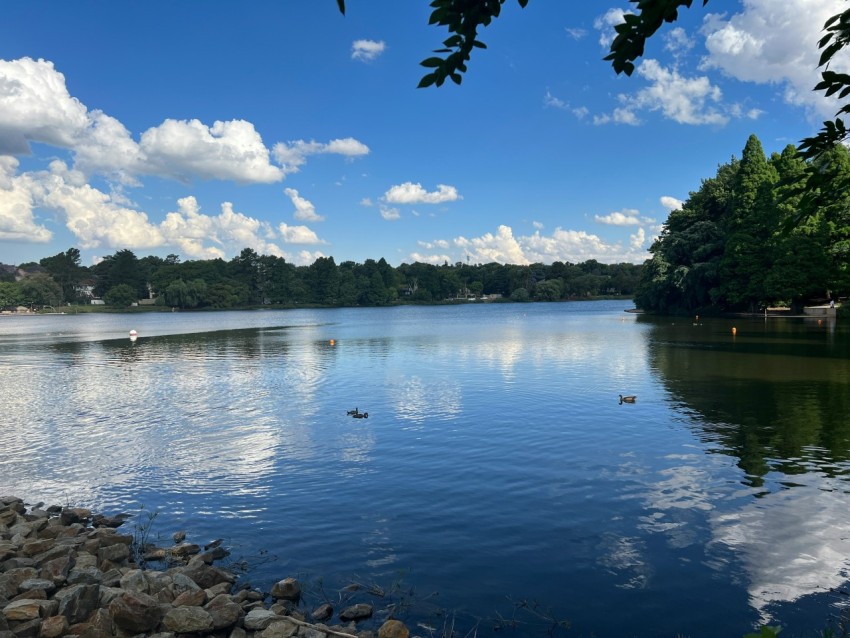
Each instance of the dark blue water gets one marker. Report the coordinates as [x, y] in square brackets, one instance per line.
[497, 479]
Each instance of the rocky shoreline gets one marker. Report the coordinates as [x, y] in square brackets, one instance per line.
[67, 572]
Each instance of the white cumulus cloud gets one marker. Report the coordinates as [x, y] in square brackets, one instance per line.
[410, 193]
[304, 209]
[772, 42]
[35, 106]
[298, 235]
[670, 203]
[17, 219]
[391, 214]
[561, 245]
[292, 155]
[367, 50]
[233, 150]
[628, 217]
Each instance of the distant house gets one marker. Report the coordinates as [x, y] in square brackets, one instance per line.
[85, 289]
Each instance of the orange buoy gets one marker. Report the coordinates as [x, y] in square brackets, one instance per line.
[734, 331]
[332, 342]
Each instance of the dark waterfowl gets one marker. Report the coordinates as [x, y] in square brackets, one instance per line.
[361, 415]
[629, 399]
[353, 412]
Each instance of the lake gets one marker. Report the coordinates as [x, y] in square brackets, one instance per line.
[497, 482]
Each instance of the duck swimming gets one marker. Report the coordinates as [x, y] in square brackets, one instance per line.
[629, 399]
[361, 415]
[353, 412]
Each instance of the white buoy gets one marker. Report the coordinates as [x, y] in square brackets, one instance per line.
[133, 335]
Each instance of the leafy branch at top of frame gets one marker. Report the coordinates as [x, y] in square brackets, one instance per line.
[629, 43]
[463, 18]
[837, 37]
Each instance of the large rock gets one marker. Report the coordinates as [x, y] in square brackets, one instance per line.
[57, 569]
[54, 627]
[135, 580]
[38, 546]
[193, 598]
[322, 612]
[37, 583]
[85, 576]
[28, 629]
[259, 619]
[186, 620]
[77, 602]
[282, 628]
[224, 611]
[360, 611]
[71, 515]
[287, 589]
[117, 553]
[393, 629]
[136, 612]
[206, 576]
[23, 610]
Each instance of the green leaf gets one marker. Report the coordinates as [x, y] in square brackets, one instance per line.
[427, 81]
[829, 51]
[341, 5]
[432, 63]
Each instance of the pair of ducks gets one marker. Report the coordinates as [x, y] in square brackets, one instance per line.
[357, 414]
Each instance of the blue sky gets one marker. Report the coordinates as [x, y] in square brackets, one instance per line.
[201, 128]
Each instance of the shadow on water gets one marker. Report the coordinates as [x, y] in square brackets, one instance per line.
[775, 395]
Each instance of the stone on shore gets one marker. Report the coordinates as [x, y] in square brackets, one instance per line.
[360, 611]
[287, 589]
[65, 572]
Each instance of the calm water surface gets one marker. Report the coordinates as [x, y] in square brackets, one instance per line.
[496, 472]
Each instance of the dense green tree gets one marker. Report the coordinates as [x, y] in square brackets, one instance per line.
[121, 296]
[191, 294]
[10, 294]
[66, 270]
[376, 293]
[749, 226]
[324, 281]
[121, 268]
[520, 294]
[752, 236]
[40, 290]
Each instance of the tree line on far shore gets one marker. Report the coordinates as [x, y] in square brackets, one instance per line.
[251, 279]
[762, 232]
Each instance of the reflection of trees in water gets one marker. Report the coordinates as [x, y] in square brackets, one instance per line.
[776, 396]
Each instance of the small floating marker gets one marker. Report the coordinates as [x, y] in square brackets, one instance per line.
[133, 335]
[819, 322]
[697, 318]
[332, 342]
[734, 331]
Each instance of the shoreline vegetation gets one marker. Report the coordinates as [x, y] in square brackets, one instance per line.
[250, 280]
[72, 309]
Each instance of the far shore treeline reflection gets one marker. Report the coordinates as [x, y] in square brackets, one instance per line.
[251, 279]
[775, 396]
